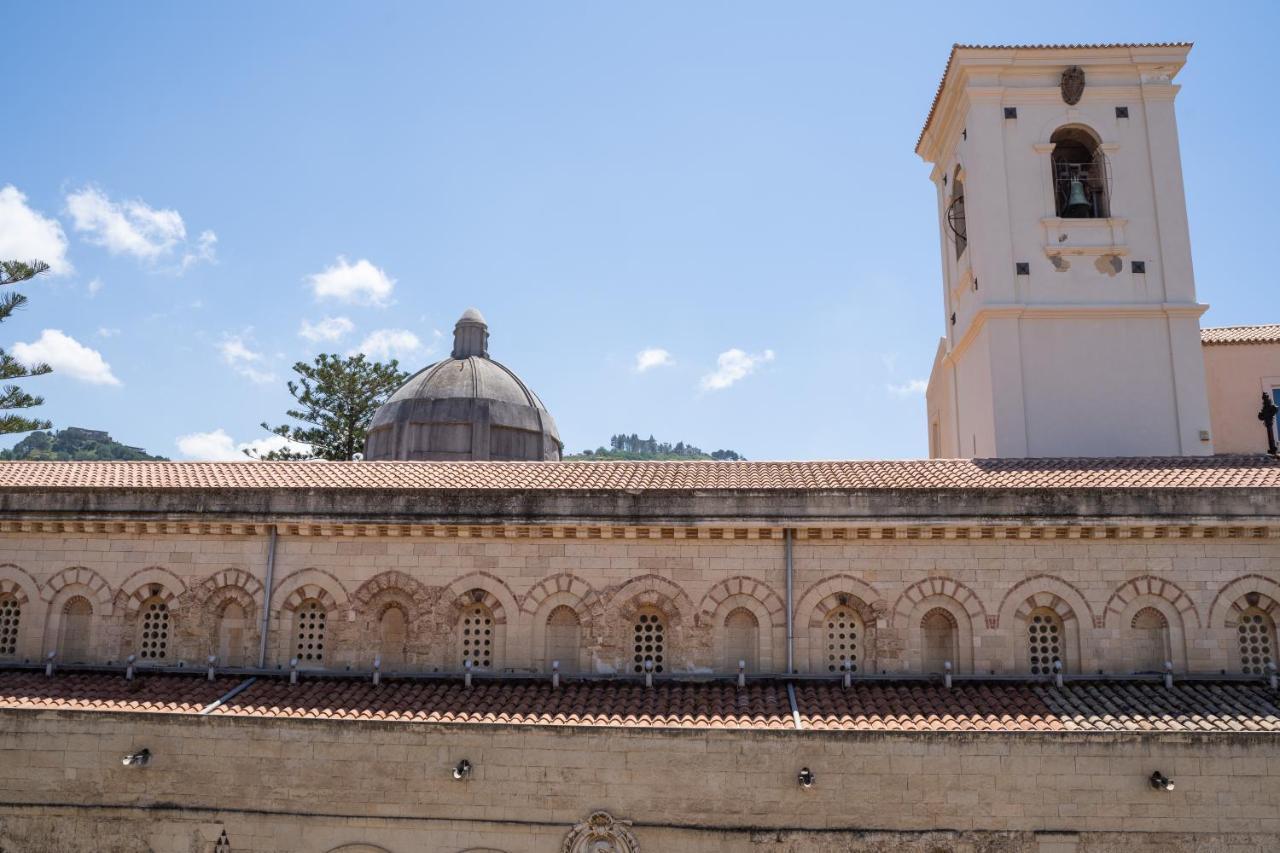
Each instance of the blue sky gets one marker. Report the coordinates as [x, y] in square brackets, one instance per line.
[600, 179]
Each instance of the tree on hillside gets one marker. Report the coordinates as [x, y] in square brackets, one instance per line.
[336, 399]
[11, 396]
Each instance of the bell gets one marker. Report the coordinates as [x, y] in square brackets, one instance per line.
[1077, 204]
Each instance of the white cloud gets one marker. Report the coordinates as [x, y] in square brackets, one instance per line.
[217, 446]
[648, 359]
[245, 361]
[910, 388]
[107, 331]
[25, 235]
[732, 365]
[94, 286]
[386, 344]
[67, 356]
[328, 329]
[360, 283]
[136, 228]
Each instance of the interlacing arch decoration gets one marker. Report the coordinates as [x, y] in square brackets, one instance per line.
[582, 597]
[1150, 585]
[310, 583]
[727, 590]
[496, 595]
[652, 591]
[929, 587]
[151, 582]
[16, 582]
[91, 584]
[217, 586]
[1238, 596]
[1066, 600]
[375, 594]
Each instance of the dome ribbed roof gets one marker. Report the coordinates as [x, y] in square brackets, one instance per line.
[466, 407]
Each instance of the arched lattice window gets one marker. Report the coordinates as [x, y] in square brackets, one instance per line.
[77, 620]
[308, 632]
[649, 635]
[564, 638]
[1150, 642]
[1079, 175]
[741, 640]
[938, 635]
[232, 624]
[10, 618]
[153, 629]
[1257, 633]
[1045, 641]
[393, 635]
[844, 639]
[475, 631]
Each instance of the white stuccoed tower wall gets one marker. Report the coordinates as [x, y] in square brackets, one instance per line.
[1081, 353]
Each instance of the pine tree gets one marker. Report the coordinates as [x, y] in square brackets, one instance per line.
[337, 399]
[11, 396]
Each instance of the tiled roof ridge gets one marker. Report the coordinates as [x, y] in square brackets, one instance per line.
[957, 46]
[1040, 473]
[1260, 333]
[1031, 706]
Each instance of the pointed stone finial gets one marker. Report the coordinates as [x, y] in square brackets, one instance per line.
[471, 335]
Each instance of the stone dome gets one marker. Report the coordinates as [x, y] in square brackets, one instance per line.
[466, 407]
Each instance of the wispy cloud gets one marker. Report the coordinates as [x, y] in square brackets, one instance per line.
[328, 329]
[136, 228]
[249, 363]
[910, 388]
[385, 344]
[359, 283]
[107, 331]
[732, 366]
[66, 356]
[26, 235]
[648, 359]
[218, 446]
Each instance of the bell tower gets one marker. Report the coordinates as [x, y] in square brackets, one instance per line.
[1069, 304]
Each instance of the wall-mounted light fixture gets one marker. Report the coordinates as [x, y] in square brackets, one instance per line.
[1161, 782]
[806, 778]
[463, 770]
[141, 758]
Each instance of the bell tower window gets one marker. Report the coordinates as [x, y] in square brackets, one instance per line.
[955, 215]
[1079, 175]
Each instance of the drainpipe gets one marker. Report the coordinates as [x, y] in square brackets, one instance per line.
[791, 634]
[266, 599]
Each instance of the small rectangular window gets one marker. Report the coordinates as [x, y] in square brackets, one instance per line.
[1022, 268]
[1010, 112]
[1138, 267]
[1122, 112]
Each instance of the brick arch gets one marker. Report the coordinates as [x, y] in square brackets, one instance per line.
[1234, 598]
[496, 594]
[303, 584]
[653, 591]
[136, 588]
[212, 587]
[94, 584]
[824, 595]
[1154, 587]
[1045, 591]
[741, 585]
[391, 584]
[936, 586]
[588, 601]
[16, 581]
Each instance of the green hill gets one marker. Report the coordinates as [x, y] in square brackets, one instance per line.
[74, 443]
[623, 446]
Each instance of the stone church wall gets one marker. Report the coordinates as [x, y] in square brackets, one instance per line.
[985, 589]
[285, 785]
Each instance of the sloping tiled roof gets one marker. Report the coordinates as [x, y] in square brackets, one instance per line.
[1266, 334]
[1144, 473]
[1079, 706]
[951, 58]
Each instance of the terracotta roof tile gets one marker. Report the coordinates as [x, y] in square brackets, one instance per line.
[1064, 473]
[1079, 706]
[1265, 334]
[951, 58]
